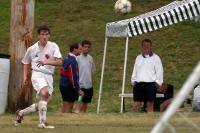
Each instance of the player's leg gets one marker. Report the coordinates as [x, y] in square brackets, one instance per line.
[84, 107]
[150, 106]
[88, 94]
[31, 108]
[69, 96]
[67, 107]
[42, 108]
[137, 97]
[20, 113]
[165, 104]
[150, 91]
[78, 107]
[45, 83]
[42, 105]
[136, 106]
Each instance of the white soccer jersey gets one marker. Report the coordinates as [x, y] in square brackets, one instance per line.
[35, 54]
[86, 69]
[148, 69]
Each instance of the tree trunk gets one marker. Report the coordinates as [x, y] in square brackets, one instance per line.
[21, 37]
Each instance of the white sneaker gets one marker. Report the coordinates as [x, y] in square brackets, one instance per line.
[16, 123]
[45, 125]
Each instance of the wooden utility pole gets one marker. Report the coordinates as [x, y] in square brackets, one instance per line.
[21, 37]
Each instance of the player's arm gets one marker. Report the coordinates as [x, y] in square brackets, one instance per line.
[26, 61]
[159, 72]
[25, 73]
[56, 62]
[75, 78]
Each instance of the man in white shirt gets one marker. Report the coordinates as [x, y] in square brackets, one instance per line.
[147, 77]
[196, 98]
[86, 69]
[43, 57]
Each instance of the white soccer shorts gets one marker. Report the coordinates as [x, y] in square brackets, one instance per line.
[40, 80]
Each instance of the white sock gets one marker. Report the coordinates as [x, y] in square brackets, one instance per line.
[28, 110]
[42, 106]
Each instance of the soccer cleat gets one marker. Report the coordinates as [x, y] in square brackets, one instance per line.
[19, 118]
[45, 125]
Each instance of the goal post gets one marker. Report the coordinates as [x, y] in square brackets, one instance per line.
[187, 87]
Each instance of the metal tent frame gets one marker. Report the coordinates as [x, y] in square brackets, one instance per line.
[172, 13]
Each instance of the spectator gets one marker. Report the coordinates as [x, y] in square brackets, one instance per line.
[86, 69]
[69, 82]
[161, 104]
[147, 76]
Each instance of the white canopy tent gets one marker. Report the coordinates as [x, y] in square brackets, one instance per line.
[172, 13]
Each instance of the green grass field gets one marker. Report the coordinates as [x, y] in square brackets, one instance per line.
[103, 123]
[74, 20]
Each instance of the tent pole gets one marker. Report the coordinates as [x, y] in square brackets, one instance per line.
[102, 73]
[124, 74]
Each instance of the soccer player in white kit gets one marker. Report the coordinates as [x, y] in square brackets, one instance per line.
[43, 56]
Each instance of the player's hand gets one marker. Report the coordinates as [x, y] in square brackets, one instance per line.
[163, 88]
[81, 93]
[41, 63]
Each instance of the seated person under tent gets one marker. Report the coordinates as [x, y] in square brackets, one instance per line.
[161, 103]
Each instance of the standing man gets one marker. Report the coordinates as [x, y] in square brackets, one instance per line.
[86, 69]
[69, 81]
[147, 77]
[43, 57]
